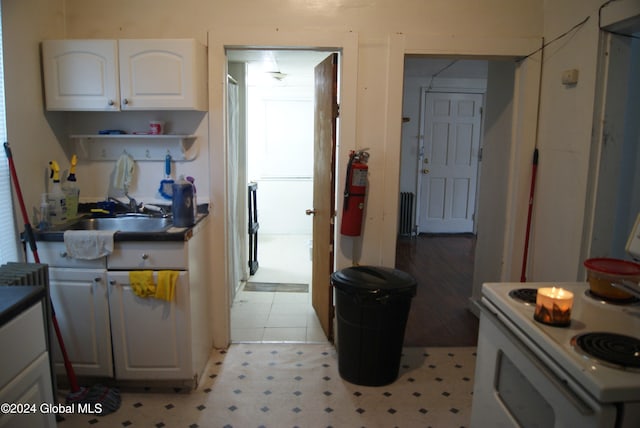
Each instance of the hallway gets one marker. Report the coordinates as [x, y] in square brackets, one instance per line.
[439, 315]
[443, 268]
[278, 316]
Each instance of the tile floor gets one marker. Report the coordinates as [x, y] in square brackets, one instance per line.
[259, 316]
[286, 374]
[298, 385]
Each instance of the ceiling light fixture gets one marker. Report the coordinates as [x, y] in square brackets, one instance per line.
[277, 75]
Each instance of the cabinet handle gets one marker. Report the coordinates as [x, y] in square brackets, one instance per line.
[63, 254]
[125, 101]
[111, 102]
[145, 256]
[97, 279]
[112, 282]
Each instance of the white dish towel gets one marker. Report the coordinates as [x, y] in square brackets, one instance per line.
[88, 244]
[123, 173]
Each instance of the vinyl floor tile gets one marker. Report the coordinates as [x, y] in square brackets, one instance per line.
[299, 385]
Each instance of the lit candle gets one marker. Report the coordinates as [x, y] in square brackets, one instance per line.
[553, 306]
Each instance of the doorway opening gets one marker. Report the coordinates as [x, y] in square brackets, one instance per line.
[272, 300]
[454, 109]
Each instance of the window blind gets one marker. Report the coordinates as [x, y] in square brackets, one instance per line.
[8, 246]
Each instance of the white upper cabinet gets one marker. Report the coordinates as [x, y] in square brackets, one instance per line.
[134, 74]
[162, 75]
[81, 74]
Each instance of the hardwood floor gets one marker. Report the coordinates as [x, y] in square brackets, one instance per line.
[443, 268]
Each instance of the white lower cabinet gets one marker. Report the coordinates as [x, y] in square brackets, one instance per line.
[80, 299]
[109, 331]
[149, 335]
[25, 377]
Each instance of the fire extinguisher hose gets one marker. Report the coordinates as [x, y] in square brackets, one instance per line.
[352, 157]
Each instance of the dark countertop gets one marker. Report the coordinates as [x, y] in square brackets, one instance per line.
[172, 234]
[14, 299]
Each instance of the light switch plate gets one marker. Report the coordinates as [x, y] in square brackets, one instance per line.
[633, 244]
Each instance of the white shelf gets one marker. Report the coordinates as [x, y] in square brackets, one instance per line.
[141, 147]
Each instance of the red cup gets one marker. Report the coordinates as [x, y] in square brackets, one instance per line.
[156, 127]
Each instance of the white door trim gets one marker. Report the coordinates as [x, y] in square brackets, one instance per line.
[233, 37]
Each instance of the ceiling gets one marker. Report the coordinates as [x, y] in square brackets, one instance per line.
[297, 65]
[292, 64]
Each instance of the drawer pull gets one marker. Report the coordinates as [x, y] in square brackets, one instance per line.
[63, 254]
[98, 279]
[145, 256]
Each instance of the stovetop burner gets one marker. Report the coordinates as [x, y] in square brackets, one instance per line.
[619, 302]
[612, 349]
[526, 295]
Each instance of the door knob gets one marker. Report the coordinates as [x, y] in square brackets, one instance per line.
[425, 171]
[310, 212]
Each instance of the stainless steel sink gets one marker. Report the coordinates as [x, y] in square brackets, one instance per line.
[123, 224]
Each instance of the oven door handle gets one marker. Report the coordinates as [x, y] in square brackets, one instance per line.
[542, 362]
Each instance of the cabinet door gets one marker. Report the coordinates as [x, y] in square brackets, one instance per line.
[80, 300]
[31, 386]
[162, 74]
[80, 74]
[151, 337]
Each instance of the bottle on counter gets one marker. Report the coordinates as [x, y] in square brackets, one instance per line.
[43, 223]
[56, 197]
[192, 180]
[182, 203]
[71, 190]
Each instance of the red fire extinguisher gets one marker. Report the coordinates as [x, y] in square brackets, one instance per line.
[354, 192]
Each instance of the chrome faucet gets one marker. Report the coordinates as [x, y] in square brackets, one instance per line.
[132, 206]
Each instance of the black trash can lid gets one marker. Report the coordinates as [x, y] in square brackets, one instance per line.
[373, 280]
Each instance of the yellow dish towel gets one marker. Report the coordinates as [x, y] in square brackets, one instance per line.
[166, 289]
[142, 283]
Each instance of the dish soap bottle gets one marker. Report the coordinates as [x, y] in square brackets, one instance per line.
[57, 199]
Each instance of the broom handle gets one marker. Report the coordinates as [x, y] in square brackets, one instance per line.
[32, 244]
[534, 169]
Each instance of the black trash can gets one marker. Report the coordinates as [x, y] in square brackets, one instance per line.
[372, 306]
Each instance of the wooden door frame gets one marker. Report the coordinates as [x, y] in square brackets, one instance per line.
[230, 38]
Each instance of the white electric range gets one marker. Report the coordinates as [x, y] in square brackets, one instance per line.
[533, 374]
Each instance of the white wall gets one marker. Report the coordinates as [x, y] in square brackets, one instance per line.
[280, 153]
[493, 191]
[30, 132]
[565, 137]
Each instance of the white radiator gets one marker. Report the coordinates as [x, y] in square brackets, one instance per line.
[14, 273]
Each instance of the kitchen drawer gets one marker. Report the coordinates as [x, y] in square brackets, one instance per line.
[148, 255]
[55, 255]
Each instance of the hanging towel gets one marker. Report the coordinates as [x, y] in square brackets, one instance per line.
[123, 172]
[166, 289]
[88, 244]
[142, 283]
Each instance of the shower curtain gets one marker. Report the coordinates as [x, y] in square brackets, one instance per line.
[236, 196]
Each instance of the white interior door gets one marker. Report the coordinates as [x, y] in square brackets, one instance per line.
[448, 165]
